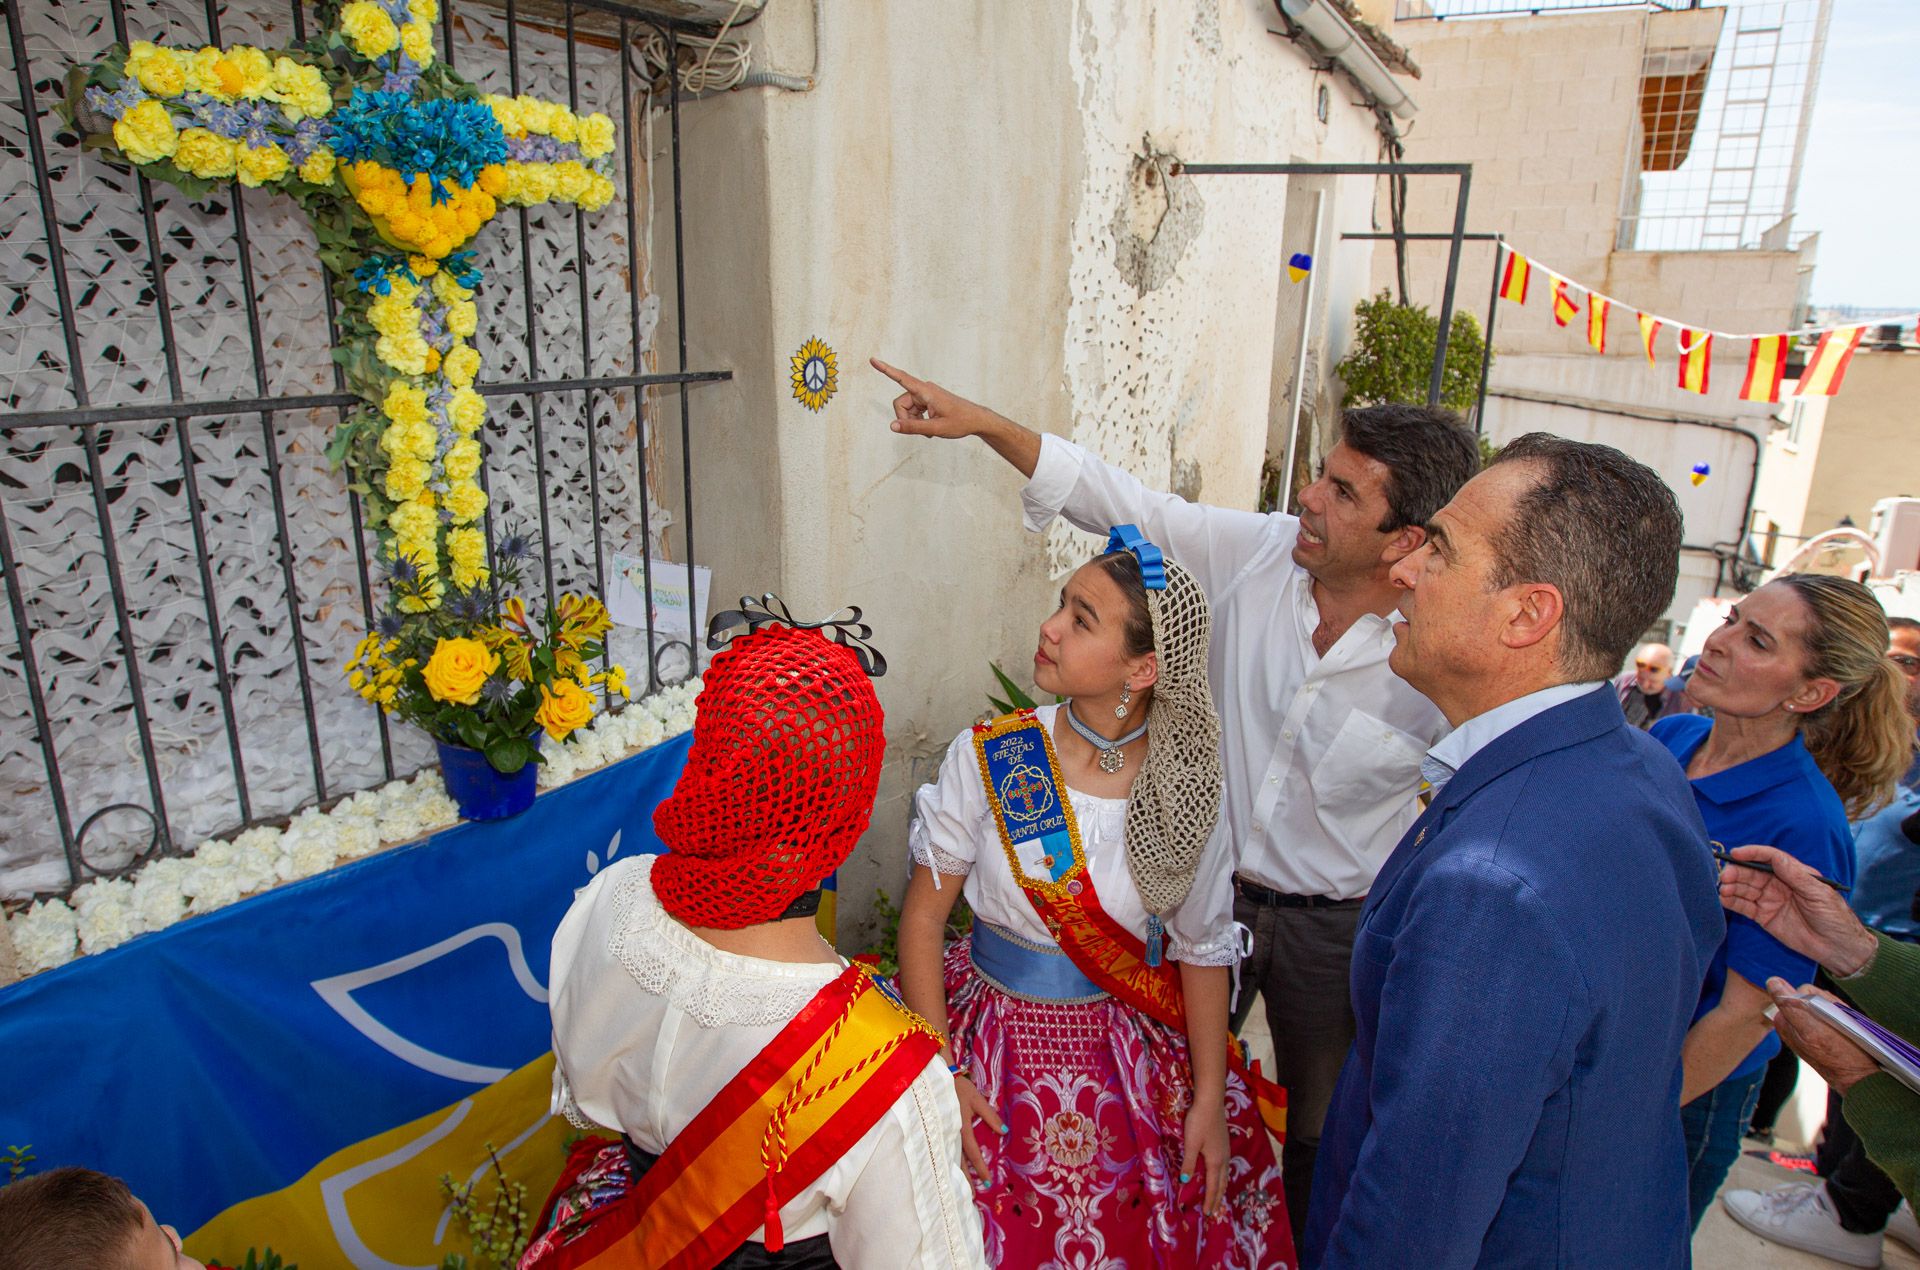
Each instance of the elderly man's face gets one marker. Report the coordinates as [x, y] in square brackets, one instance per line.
[1905, 652]
[1451, 635]
[1652, 666]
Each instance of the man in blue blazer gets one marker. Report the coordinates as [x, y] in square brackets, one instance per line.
[1530, 955]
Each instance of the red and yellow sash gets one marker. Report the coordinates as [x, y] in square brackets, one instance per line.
[787, 1117]
[1062, 893]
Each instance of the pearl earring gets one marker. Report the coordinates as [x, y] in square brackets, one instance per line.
[1126, 695]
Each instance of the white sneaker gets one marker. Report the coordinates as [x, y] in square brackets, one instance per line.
[1798, 1216]
[1903, 1227]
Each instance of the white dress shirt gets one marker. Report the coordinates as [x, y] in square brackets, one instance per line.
[1482, 730]
[1321, 754]
[650, 1021]
[954, 833]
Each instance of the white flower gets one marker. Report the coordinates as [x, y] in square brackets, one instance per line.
[158, 900]
[106, 914]
[307, 847]
[45, 936]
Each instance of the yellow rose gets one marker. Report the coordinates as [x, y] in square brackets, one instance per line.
[205, 154]
[466, 502]
[406, 478]
[467, 410]
[416, 41]
[146, 133]
[462, 460]
[158, 70]
[463, 318]
[596, 136]
[318, 168]
[301, 90]
[259, 165]
[457, 669]
[367, 26]
[461, 365]
[564, 708]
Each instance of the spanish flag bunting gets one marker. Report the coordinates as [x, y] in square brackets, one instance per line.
[1513, 283]
[1696, 358]
[1649, 327]
[1597, 321]
[1564, 305]
[1828, 365]
[1766, 363]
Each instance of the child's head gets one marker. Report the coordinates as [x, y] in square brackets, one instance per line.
[77, 1219]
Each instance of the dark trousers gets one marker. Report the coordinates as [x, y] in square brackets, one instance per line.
[1783, 1072]
[1863, 1197]
[1301, 965]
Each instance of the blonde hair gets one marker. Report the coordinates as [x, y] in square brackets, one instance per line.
[1863, 739]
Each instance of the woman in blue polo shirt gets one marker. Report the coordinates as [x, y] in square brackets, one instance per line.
[1809, 727]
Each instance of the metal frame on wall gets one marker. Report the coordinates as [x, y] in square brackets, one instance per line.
[91, 423]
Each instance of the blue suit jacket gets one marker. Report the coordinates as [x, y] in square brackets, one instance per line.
[1525, 970]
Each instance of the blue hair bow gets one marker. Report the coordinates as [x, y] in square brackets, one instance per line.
[1153, 565]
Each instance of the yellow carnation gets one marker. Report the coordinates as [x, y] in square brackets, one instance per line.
[146, 133]
[457, 669]
[462, 459]
[245, 71]
[467, 410]
[416, 41]
[506, 113]
[301, 90]
[599, 193]
[570, 180]
[318, 168]
[424, 10]
[466, 549]
[407, 352]
[564, 708]
[463, 318]
[406, 478]
[493, 180]
[205, 154]
[466, 502]
[461, 365]
[596, 136]
[564, 126]
[259, 165]
[415, 522]
[405, 404]
[448, 288]
[367, 26]
[158, 70]
[203, 77]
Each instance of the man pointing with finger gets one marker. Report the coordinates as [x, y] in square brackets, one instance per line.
[1321, 742]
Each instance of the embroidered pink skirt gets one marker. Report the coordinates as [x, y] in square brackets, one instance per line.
[1094, 1097]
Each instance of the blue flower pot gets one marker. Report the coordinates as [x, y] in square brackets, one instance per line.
[481, 792]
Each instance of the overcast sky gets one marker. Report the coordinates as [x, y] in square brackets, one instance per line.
[1860, 187]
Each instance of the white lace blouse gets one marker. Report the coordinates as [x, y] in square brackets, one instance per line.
[650, 1021]
[953, 833]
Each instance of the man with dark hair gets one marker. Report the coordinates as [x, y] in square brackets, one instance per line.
[77, 1219]
[1531, 954]
[1321, 742]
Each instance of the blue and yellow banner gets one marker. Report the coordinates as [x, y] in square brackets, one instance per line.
[300, 1069]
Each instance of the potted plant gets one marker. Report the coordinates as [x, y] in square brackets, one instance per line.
[476, 671]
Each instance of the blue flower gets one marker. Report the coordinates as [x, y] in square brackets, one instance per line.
[447, 140]
[389, 625]
[461, 265]
[118, 103]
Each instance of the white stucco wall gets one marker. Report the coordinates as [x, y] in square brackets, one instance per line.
[959, 196]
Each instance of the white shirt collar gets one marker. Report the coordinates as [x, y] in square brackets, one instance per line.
[1453, 750]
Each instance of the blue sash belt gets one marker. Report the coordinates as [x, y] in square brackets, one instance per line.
[1031, 972]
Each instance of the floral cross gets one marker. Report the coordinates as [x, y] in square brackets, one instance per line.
[398, 162]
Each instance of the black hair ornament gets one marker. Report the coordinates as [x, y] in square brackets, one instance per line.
[843, 627]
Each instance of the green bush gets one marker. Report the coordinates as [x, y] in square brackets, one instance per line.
[1392, 357]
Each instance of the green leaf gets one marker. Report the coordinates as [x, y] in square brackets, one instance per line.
[509, 755]
[1017, 695]
[473, 733]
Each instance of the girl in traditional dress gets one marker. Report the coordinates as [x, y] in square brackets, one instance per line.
[1106, 1124]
